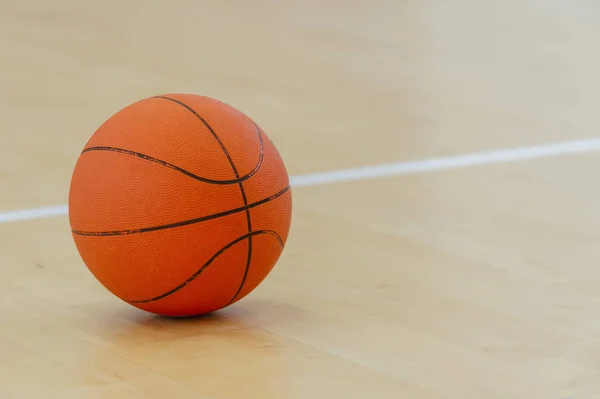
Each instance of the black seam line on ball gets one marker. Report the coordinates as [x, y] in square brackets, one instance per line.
[181, 170]
[249, 257]
[182, 223]
[211, 260]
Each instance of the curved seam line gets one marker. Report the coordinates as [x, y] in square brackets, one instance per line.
[241, 186]
[182, 223]
[181, 170]
[208, 263]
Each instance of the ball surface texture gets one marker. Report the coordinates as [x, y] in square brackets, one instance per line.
[180, 205]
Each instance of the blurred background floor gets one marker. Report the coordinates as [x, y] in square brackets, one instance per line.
[476, 283]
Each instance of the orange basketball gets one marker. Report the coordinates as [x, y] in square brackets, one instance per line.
[180, 205]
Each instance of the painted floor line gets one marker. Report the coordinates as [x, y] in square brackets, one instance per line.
[380, 171]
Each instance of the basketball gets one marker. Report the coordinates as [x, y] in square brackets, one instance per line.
[180, 205]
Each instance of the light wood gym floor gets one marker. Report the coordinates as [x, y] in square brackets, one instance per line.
[479, 282]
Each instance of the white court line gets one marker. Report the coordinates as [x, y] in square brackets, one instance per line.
[35, 213]
[385, 170]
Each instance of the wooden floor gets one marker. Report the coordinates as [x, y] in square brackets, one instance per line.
[475, 283]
